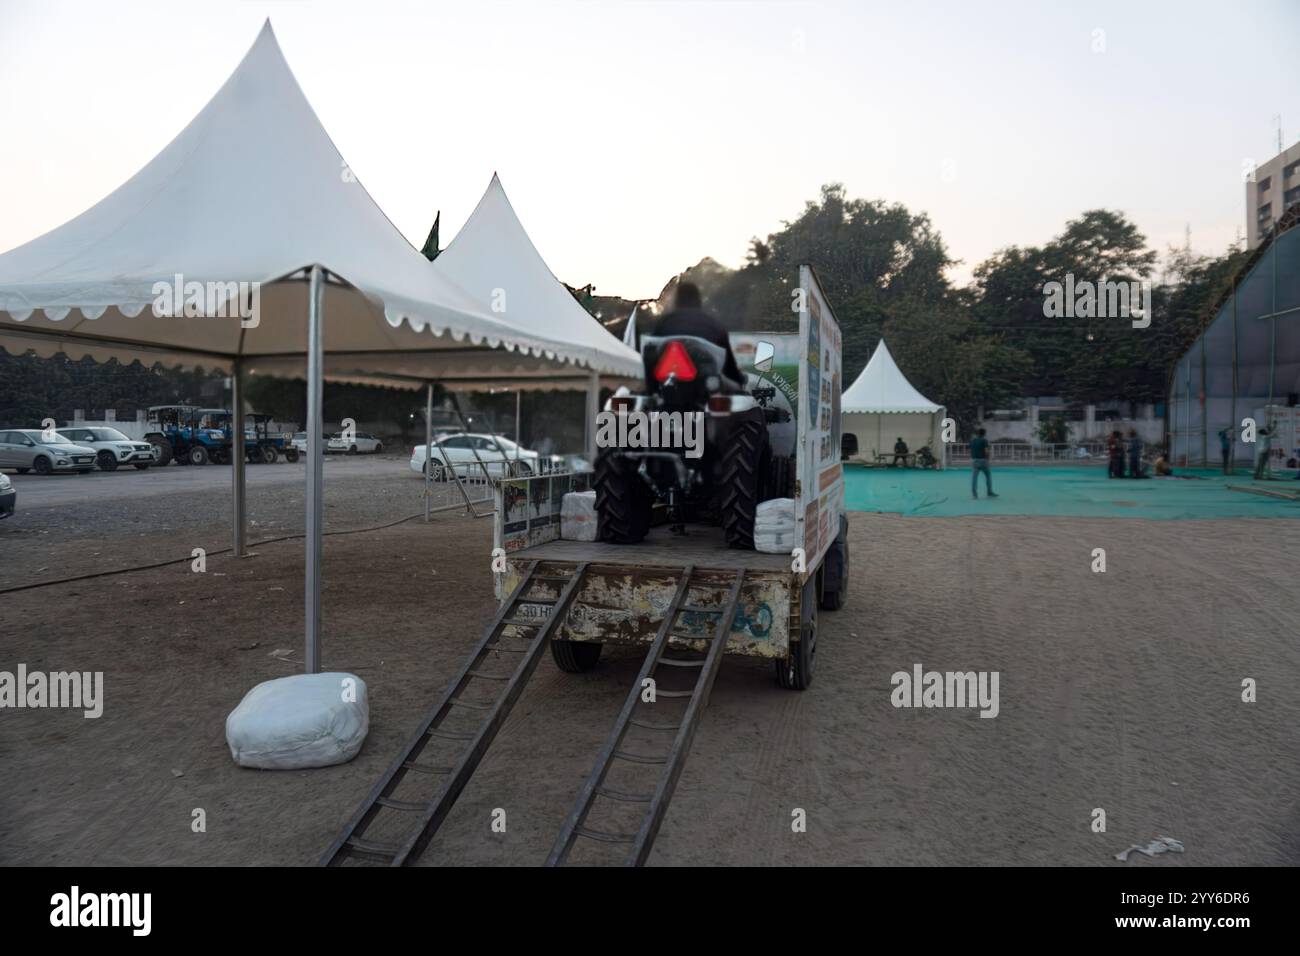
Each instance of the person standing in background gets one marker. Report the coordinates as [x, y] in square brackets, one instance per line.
[1225, 447]
[979, 461]
[1115, 449]
[1134, 454]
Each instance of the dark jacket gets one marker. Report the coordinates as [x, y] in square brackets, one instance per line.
[702, 325]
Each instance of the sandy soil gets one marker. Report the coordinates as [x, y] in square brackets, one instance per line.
[1118, 690]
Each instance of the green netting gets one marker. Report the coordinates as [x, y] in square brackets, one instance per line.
[1081, 492]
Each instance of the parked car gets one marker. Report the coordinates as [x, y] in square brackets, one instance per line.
[30, 449]
[8, 497]
[112, 447]
[463, 452]
[361, 442]
[299, 442]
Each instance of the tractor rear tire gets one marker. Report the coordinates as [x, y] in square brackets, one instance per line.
[574, 657]
[197, 455]
[291, 455]
[623, 503]
[742, 461]
[268, 454]
[162, 451]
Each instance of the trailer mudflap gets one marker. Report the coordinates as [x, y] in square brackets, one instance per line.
[623, 605]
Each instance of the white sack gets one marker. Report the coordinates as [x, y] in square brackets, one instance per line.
[307, 720]
[578, 516]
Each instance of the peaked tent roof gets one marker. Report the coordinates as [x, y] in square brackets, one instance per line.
[252, 190]
[492, 254]
[883, 388]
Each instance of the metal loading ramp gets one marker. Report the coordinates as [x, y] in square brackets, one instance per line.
[404, 810]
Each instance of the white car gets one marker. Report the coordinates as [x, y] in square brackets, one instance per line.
[464, 452]
[112, 448]
[360, 442]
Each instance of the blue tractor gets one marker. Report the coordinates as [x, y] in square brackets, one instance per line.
[188, 434]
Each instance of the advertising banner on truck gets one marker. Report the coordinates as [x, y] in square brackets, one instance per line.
[821, 476]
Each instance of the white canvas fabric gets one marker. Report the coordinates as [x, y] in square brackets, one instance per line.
[253, 191]
[883, 388]
[495, 261]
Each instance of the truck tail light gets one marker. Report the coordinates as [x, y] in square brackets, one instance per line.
[719, 403]
[675, 361]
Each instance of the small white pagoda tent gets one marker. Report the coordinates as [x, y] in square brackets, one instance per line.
[882, 406]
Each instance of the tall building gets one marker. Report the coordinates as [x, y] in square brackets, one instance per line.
[1274, 188]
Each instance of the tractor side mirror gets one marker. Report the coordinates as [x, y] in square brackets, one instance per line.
[764, 352]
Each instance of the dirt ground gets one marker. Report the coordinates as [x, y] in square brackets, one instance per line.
[1119, 691]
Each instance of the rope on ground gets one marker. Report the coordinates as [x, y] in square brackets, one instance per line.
[163, 564]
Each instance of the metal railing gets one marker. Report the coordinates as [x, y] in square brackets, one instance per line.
[1018, 453]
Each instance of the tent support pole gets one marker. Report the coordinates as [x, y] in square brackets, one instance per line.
[428, 446]
[593, 408]
[237, 459]
[519, 442]
[315, 469]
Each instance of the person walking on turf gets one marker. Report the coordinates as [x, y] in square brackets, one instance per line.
[979, 461]
[1225, 447]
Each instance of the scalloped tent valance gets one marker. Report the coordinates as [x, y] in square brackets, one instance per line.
[246, 197]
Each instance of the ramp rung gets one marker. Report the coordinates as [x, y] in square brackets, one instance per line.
[450, 734]
[653, 726]
[457, 702]
[507, 650]
[481, 676]
[383, 852]
[671, 662]
[674, 693]
[516, 622]
[700, 610]
[401, 804]
[624, 796]
[604, 837]
[639, 758]
[425, 767]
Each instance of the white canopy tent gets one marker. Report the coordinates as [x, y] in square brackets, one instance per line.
[493, 259]
[882, 406]
[252, 214]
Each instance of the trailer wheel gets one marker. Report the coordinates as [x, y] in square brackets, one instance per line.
[268, 454]
[197, 455]
[106, 460]
[162, 450]
[623, 502]
[291, 455]
[574, 657]
[796, 671]
[835, 570]
[742, 461]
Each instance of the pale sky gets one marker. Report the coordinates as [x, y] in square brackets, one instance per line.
[635, 138]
